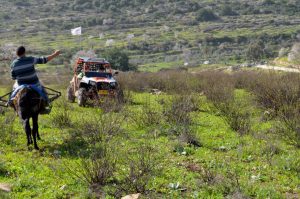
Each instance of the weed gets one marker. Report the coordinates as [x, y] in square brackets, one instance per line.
[4, 195]
[7, 126]
[99, 128]
[98, 170]
[146, 117]
[127, 98]
[61, 116]
[219, 88]
[207, 175]
[270, 150]
[164, 81]
[290, 115]
[232, 110]
[3, 169]
[179, 111]
[228, 183]
[189, 136]
[274, 91]
[141, 168]
[111, 105]
[238, 119]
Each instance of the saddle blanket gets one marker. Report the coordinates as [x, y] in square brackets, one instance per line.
[36, 87]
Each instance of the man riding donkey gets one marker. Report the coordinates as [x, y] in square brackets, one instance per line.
[23, 71]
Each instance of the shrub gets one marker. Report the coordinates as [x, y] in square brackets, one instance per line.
[179, 111]
[206, 15]
[148, 116]
[4, 195]
[99, 165]
[228, 11]
[110, 105]
[118, 59]
[185, 82]
[245, 79]
[274, 91]
[270, 150]
[3, 169]
[290, 115]
[96, 171]
[7, 127]
[280, 93]
[219, 88]
[255, 51]
[188, 136]
[237, 117]
[142, 167]
[96, 129]
[228, 183]
[221, 94]
[61, 116]
[178, 115]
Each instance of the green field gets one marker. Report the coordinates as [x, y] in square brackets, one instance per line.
[151, 149]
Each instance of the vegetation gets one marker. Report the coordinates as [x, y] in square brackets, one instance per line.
[228, 11]
[294, 54]
[206, 15]
[256, 51]
[153, 33]
[203, 133]
[199, 138]
[119, 60]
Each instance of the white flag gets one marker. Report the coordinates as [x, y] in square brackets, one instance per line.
[76, 31]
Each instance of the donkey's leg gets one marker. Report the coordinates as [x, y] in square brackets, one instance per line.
[36, 124]
[35, 130]
[28, 131]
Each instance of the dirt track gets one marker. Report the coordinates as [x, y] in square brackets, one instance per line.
[293, 70]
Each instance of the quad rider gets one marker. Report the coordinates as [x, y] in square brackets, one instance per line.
[23, 71]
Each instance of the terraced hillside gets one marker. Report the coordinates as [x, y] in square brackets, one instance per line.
[156, 34]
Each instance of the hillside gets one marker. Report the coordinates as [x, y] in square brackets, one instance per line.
[155, 32]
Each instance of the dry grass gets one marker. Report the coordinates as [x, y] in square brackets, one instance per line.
[275, 92]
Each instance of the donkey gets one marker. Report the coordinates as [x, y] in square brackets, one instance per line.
[28, 104]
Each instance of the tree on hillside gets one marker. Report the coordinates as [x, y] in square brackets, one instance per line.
[118, 59]
[255, 51]
[228, 11]
[206, 15]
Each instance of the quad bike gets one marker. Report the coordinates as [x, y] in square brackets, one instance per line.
[93, 80]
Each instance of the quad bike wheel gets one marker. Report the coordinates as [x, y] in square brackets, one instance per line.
[70, 94]
[82, 97]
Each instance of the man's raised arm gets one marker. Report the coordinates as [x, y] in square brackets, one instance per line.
[44, 60]
[53, 55]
